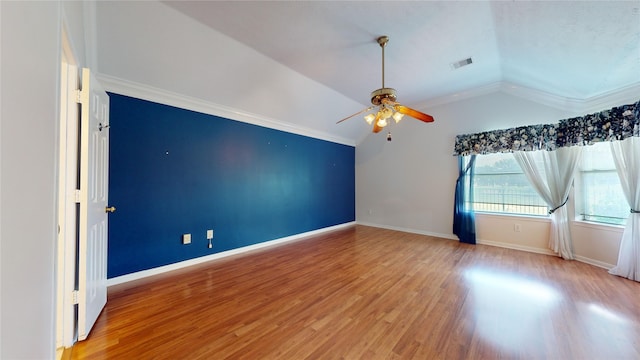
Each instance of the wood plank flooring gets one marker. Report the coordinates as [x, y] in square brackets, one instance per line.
[369, 293]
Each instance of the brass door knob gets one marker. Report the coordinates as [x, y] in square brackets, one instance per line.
[111, 209]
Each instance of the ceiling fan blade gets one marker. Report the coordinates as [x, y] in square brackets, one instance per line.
[413, 113]
[376, 128]
[358, 113]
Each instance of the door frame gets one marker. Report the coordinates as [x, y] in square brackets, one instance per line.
[68, 167]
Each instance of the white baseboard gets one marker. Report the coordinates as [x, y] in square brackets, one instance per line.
[182, 264]
[593, 262]
[580, 258]
[408, 230]
[530, 249]
[163, 269]
[515, 247]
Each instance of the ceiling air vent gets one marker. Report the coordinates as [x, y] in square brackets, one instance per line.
[461, 63]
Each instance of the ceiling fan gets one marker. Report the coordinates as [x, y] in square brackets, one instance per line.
[384, 99]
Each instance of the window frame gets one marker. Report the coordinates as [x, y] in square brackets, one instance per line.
[542, 214]
[580, 214]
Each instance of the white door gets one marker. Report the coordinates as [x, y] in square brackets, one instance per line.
[94, 186]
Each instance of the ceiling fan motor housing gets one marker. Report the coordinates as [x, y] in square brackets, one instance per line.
[377, 96]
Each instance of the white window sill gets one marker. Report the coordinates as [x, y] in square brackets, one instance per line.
[518, 216]
[599, 226]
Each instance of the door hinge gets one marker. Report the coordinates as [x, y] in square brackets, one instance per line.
[79, 96]
[76, 196]
[74, 297]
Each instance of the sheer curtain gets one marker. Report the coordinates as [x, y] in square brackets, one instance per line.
[626, 154]
[553, 185]
[464, 220]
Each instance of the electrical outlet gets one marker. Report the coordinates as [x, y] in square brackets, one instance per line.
[186, 239]
[517, 227]
[209, 234]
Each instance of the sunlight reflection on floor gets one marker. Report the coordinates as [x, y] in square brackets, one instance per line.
[606, 314]
[609, 332]
[514, 319]
[518, 315]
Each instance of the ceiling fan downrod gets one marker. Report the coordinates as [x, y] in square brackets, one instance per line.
[377, 96]
[383, 40]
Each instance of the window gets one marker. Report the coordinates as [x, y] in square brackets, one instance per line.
[598, 187]
[500, 186]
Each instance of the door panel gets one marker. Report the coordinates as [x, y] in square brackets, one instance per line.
[94, 196]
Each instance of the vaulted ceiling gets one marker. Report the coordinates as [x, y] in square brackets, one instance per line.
[306, 64]
[570, 49]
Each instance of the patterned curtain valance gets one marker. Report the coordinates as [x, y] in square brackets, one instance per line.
[617, 123]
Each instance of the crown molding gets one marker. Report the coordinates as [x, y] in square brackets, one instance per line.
[602, 101]
[577, 107]
[153, 94]
[606, 100]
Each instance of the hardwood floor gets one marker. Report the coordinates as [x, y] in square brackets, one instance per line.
[369, 293]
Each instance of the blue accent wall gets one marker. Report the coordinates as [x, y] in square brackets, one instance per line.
[174, 171]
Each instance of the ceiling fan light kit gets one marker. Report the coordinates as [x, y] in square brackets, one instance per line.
[384, 99]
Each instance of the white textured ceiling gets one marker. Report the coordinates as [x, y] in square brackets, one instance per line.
[570, 49]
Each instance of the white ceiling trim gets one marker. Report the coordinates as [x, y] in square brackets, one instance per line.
[150, 93]
[622, 96]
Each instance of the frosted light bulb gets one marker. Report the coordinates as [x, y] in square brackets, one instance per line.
[369, 118]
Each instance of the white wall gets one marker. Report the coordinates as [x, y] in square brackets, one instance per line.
[74, 17]
[596, 244]
[501, 231]
[30, 57]
[408, 183]
[28, 182]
